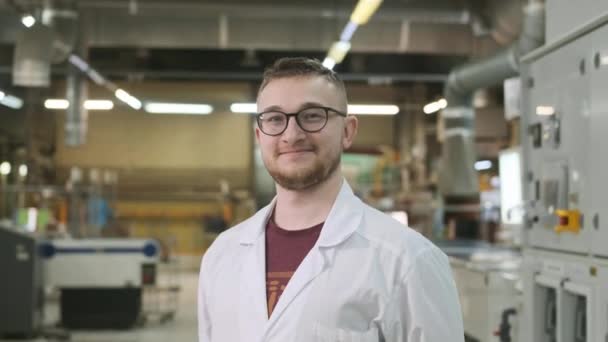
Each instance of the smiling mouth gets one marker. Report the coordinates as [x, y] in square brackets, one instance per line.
[295, 152]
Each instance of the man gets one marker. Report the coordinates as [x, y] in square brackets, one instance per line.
[317, 264]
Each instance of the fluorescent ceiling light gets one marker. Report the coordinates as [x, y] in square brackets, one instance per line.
[96, 77]
[127, 98]
[56, 104]
[98, 104]
[244, 108]
[23, 170]
[349, 31]
[78, 62]
[2, 95]
[11, 101]
[338, 50]
[364, 10]
[545, 110]
[28, 20]
[177, 108]
[5, 168]
[329, 63]
[373, 109]
[435, 106]
[483, 165]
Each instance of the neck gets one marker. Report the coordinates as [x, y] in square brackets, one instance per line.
[301, 209]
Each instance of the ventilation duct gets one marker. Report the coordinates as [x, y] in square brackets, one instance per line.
[32, 58]
[457, 175]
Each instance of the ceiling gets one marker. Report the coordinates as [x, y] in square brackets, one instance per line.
[407, 42]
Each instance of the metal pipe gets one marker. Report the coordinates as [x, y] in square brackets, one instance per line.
[76, 115]
[457, 175]
[464, 80]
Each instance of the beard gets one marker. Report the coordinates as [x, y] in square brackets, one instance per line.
[304, 177]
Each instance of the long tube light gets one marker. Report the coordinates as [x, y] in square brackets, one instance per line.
[178, 108]
[483, 165]
[83, 66]
[127, 98]
[329, 63]
[364, 11]
[365, 109]
[98, 105]
[88, 104]
[338, 50]
[10, 100]
[435, 106]
[360, 16]
[56, 104]
[250, 108]
[349, 31]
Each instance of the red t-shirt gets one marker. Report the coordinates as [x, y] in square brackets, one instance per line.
[285, 251]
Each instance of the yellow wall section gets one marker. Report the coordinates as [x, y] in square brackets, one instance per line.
[124, 138]
[375, 131]
[165, 210]
[177, 225]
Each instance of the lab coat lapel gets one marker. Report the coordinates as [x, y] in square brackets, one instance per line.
[253, 312]
[344, 218]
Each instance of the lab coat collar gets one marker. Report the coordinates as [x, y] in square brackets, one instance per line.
[342, 221]
[256, 225]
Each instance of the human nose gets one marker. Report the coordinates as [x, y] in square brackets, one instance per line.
[293, 132]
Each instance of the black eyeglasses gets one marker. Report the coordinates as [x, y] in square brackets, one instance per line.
[311, 120]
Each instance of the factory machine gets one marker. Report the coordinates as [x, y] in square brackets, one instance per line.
[21, 289]
[101, 281]
[565, 189]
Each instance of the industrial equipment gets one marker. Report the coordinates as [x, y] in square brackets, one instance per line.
[101, 281]
[21, 291]
[564, 123]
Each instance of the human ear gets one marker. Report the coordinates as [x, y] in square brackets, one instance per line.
[351, 124]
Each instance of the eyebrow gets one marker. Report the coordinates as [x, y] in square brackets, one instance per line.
[302, 106]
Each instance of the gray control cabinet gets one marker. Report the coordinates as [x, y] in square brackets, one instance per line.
[565, 16]
[565, 298]
[598, 139]
[565, 178]
[565, 144]
[557, 130]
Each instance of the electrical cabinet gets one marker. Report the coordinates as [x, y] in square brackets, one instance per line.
[557, 184]
[566, 298]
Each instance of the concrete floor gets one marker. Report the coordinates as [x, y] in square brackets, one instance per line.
[181, 329]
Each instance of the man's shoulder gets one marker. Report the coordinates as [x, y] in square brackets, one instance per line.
[234, 234]
[226, 242]
[389, 234]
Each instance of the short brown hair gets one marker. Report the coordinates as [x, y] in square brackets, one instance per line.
[300, 66]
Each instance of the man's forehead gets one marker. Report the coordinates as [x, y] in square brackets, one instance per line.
[310, 89]
[299, 80]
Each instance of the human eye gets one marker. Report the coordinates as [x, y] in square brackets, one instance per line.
[273, 117]
[312, 114]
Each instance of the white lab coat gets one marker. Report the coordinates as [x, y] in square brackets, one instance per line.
[368, 278]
